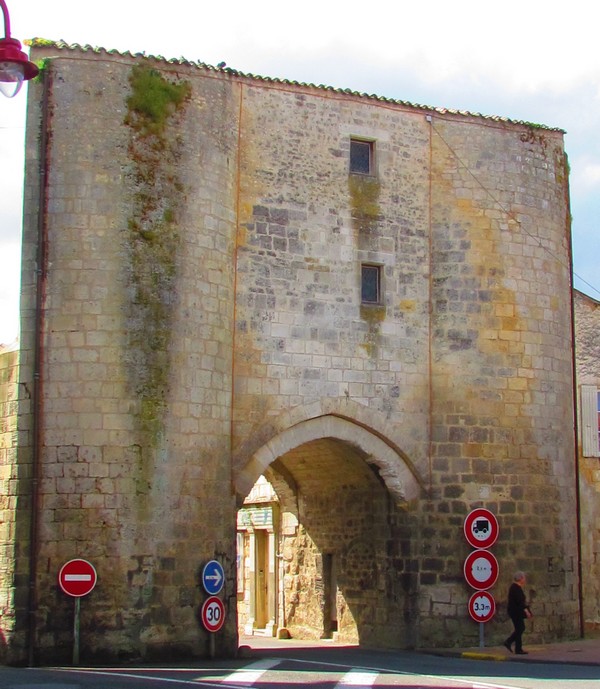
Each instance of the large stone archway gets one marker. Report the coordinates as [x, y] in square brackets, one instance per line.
[397, 471]
[340, 537]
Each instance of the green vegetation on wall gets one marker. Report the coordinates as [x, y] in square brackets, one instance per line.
[364, 201]
[152, 237]
[366, 214]
[152, 101]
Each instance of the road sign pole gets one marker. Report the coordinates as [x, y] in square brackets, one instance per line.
[481, 635]
[76, 616]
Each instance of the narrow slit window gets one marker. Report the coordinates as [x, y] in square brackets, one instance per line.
[361, 157]
[370, 284]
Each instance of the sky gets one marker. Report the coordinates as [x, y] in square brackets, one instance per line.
[520, 59]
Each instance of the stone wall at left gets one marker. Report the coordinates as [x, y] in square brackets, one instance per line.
[134, 417]
[9, 371]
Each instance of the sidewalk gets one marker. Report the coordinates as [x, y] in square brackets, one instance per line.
[580, 652]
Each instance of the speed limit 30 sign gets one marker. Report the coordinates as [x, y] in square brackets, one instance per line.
[212, 614]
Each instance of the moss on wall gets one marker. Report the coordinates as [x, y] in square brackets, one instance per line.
[153, 237]
[366, 213]
[364, 201]
[373, 315]
[152, 101]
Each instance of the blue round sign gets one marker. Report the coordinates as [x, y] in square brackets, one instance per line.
[213, 577]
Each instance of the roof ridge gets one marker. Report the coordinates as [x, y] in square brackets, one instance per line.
[63, 45]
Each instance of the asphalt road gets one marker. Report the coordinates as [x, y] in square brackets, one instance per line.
[318, 668]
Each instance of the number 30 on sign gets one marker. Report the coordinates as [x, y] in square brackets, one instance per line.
[212, 614]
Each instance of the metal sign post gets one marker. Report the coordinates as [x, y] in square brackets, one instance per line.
[77, 578]
[76, 616]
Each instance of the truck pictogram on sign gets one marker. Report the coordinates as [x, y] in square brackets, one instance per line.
[481, 528]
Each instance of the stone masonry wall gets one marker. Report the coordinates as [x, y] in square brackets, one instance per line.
[201, 295]
[302, 333]
[467, 220]
[502, 356]
[137, 348]
[9, 371]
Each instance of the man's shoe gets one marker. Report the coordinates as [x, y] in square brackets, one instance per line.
[521, 653]
[508, 646]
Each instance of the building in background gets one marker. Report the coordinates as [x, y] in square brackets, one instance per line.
[587, 348]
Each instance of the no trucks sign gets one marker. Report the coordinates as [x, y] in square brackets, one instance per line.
[481, 528]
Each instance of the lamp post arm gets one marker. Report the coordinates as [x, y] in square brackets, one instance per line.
[6, 19]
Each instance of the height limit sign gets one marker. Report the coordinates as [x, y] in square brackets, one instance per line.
[482, 606]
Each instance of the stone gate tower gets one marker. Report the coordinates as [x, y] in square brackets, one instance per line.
[226, 276]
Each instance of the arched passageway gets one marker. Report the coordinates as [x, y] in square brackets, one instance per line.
[325, 548]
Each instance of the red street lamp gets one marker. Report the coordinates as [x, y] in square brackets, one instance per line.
[15, 68]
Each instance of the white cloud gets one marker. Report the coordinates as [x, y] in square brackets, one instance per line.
[585, 177]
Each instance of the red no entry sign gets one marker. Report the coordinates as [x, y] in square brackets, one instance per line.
[212, 614]
[482, 606]
[481, 570]
[481, 528]
[77, 578]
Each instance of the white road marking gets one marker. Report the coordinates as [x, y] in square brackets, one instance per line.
[359, 679]
[246, 676]
[454, 680]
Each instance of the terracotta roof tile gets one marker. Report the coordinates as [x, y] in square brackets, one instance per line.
[62, 45]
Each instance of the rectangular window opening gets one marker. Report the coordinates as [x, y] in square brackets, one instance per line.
[361, 157]
[370, 288]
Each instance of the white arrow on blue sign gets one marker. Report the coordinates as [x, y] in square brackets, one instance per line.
[213, 577]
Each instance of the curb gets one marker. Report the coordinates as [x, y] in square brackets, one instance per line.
[474, 655]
